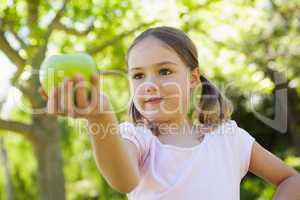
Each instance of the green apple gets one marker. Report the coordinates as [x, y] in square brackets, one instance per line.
[55, 68]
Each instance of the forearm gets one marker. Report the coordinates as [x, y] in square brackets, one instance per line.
[111, 155]
[289, 189]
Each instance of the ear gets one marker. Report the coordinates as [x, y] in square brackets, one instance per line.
[195, 77]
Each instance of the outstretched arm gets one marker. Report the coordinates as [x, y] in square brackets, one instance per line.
[115, 157]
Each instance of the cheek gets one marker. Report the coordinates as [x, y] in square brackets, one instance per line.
[138, 95]
[134, 85]
[137, 91]
[176, 95]
[177, 89]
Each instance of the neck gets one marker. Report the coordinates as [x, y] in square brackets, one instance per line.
[177, 127]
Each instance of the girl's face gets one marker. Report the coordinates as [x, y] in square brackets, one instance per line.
[155, 70]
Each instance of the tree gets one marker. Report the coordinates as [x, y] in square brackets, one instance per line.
[240, 43]
[108, 19]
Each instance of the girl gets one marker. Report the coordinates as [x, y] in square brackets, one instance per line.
[163, 152]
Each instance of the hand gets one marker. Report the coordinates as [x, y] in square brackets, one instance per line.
[61, 101]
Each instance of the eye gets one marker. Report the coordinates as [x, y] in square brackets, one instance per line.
[137, 76]
[165, 71]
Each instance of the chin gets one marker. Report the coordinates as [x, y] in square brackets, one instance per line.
[159, 117]
[153, 117]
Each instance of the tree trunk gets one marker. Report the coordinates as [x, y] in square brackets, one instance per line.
[293, 120]
[50, 165]
[6, 172]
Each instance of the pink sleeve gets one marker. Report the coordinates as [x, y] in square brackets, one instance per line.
[139, 137]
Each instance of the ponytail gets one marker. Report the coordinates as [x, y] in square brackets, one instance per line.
[213, 107]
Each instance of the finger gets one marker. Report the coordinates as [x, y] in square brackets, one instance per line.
[70, 104]
[62, 97]
[68, 97]
[52, 105]
[95, 89]
[42, 93]
[80, 92]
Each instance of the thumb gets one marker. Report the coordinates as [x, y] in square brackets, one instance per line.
[42, 93]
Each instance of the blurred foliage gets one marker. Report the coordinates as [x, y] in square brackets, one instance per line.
[240, 42]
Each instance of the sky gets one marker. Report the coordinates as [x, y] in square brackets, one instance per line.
[7, 71]
[7, 92]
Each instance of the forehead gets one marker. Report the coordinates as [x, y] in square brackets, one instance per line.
[150, 51]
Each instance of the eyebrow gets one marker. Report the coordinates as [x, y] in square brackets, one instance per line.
[155, 64]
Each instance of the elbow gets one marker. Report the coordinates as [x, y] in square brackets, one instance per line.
[124, 188]
[122, 182]
[289, 188]
[125, 184]
[294, 176]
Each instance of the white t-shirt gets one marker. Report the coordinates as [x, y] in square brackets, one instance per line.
[211, 170]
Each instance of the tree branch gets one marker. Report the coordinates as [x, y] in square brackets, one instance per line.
[39, 57]
[7, 49]
[108, 43]
[5, 164]
[19, 39]
[20, 128]
[73, 31]
[12, 54]
[55, 20]
[113, 72]
[33, 12]
[29, 93]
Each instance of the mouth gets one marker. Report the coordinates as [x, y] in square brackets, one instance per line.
[154, 100]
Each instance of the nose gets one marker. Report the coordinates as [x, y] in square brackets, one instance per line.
[151, 88]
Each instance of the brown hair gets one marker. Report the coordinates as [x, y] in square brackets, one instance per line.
[213, 107]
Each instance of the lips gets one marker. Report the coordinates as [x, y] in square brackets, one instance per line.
[154, 100]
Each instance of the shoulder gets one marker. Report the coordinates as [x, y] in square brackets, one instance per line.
[127, 127]
[140, 132]
[231, 128]
[241, 143]
[140, 136]
[240, 133]
[225, 129]
[233, 137]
